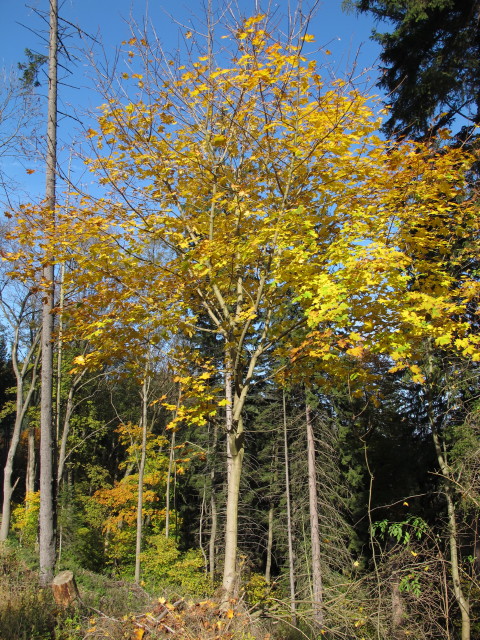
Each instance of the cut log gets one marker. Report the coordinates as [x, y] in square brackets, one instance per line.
[65, 589]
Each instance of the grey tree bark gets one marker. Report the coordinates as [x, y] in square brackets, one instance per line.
[213, 509]
[317, 590]
[47, 440]
[23, 399]
[31, 462]
[171, 463]
[141, 473]
[273, 484]
[291, 558]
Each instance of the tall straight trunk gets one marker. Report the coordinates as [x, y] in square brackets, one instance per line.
[268, 563]
[213, 536]
[141, 473]
[58, 404]
[47, 440]
[31, 462]
[22, 404]
[236, 451]
[460, 597]
[463, 601]
[291, 560]
[171, 463]
[273, 484]
[213, 509]
[314, 526]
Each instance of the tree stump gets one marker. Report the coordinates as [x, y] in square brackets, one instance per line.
[65, 589]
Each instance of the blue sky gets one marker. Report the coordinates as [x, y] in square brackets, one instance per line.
[346, 36]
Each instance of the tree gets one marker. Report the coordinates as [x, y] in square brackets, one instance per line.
[266, 189]
[47, 440]
[26, 374]
[431, 57]
[18, 123]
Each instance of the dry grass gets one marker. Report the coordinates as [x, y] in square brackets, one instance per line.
[110, 610]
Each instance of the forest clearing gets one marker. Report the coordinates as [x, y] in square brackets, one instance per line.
[239, 335]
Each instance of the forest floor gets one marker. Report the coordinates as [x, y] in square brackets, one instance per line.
[113, 610]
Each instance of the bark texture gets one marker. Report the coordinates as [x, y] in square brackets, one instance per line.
[317, 590]
[65, 589]
[47, 441]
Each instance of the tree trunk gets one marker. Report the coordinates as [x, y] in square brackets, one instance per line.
[462, 600]
[213, 536]
[141, 473]
[398, 612]
[22, 404]
[47, 442]
[213, 509]
[171, 463]
[66, 430]
[31, 462]
[268, 563]
[64, 589]
[460, 597]
[291, 561]
[314, 526]
[235, 448]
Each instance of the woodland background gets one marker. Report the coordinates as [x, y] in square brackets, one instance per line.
[238, 363]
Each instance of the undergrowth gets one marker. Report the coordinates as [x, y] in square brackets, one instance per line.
[111, 609]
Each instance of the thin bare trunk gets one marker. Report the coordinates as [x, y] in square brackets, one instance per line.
[171, 464]
[66, 426]
[47, 441]
[58, 403]
[31, 462]
[141, 473]
[22, 404]
[460, 597]
[228, 410]
[201, 525]
[291, 562]
[314, 525]
[268, 564]
[213, 536]
[213, 508]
